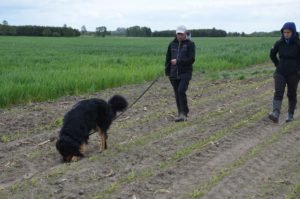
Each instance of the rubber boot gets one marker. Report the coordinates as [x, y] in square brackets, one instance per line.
[274, 116]
[290, 117]
[181, 118]
[292, 106]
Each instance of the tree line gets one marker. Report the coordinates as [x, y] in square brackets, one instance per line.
[28, 30]
[134, 31]
[137, 31]
[194, 32]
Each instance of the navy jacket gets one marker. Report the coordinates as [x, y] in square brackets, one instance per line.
[184, 52]
[288, 60]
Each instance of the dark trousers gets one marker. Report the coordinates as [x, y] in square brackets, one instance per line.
[292, 84]
[180, 87]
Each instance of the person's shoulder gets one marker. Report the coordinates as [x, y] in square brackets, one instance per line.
[189, 42]
[173, 41]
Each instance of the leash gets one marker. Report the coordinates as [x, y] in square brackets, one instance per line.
[135, 101]
[152, 83]
[145, 91]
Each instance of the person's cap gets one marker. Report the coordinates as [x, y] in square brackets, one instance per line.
[180, 29]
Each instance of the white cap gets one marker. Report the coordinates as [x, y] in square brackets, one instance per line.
[180, 29]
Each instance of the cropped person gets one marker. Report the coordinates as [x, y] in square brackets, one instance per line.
[285, 55]
[178, 67]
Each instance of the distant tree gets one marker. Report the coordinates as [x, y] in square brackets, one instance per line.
[146, 32]
[195, 32]
[47, 32]
[164, 33]
[7, 30]
[137, 31]
[119, 32]
[266, 34]
[83, 30]
[5, 23]
[65, 26]
[101, 31]
[234, 34]
[56, 34]
[67, 32]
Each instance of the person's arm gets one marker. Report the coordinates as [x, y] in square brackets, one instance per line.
[273, 54]
[167, 62]
[298, 44]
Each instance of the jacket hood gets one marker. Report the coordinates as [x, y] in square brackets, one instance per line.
[292, 27]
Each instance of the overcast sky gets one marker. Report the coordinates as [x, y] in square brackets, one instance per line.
[230, 15]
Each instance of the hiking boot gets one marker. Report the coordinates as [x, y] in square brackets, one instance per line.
[181, 118]
[290, 117]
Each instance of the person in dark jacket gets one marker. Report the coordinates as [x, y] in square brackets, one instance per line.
[285, 55]
[178, 67]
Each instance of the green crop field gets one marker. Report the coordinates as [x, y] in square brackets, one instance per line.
[41, 68]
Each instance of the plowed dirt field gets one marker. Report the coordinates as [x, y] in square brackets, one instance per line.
[228, 148]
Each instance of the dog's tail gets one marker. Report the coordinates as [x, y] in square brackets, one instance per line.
[118, 103]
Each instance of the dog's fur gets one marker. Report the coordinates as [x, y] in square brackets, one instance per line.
[85, 116]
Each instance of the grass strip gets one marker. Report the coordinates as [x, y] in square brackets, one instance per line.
[294, 193]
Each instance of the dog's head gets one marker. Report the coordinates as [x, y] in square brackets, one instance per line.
[68, 148]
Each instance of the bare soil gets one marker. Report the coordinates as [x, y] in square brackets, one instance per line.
[228, 148]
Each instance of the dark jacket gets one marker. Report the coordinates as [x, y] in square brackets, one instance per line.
[288, 52]
[184, 52]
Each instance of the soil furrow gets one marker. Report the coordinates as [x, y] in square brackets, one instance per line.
[243, 182]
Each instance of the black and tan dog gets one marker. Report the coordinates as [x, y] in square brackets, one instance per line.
[85, 116]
